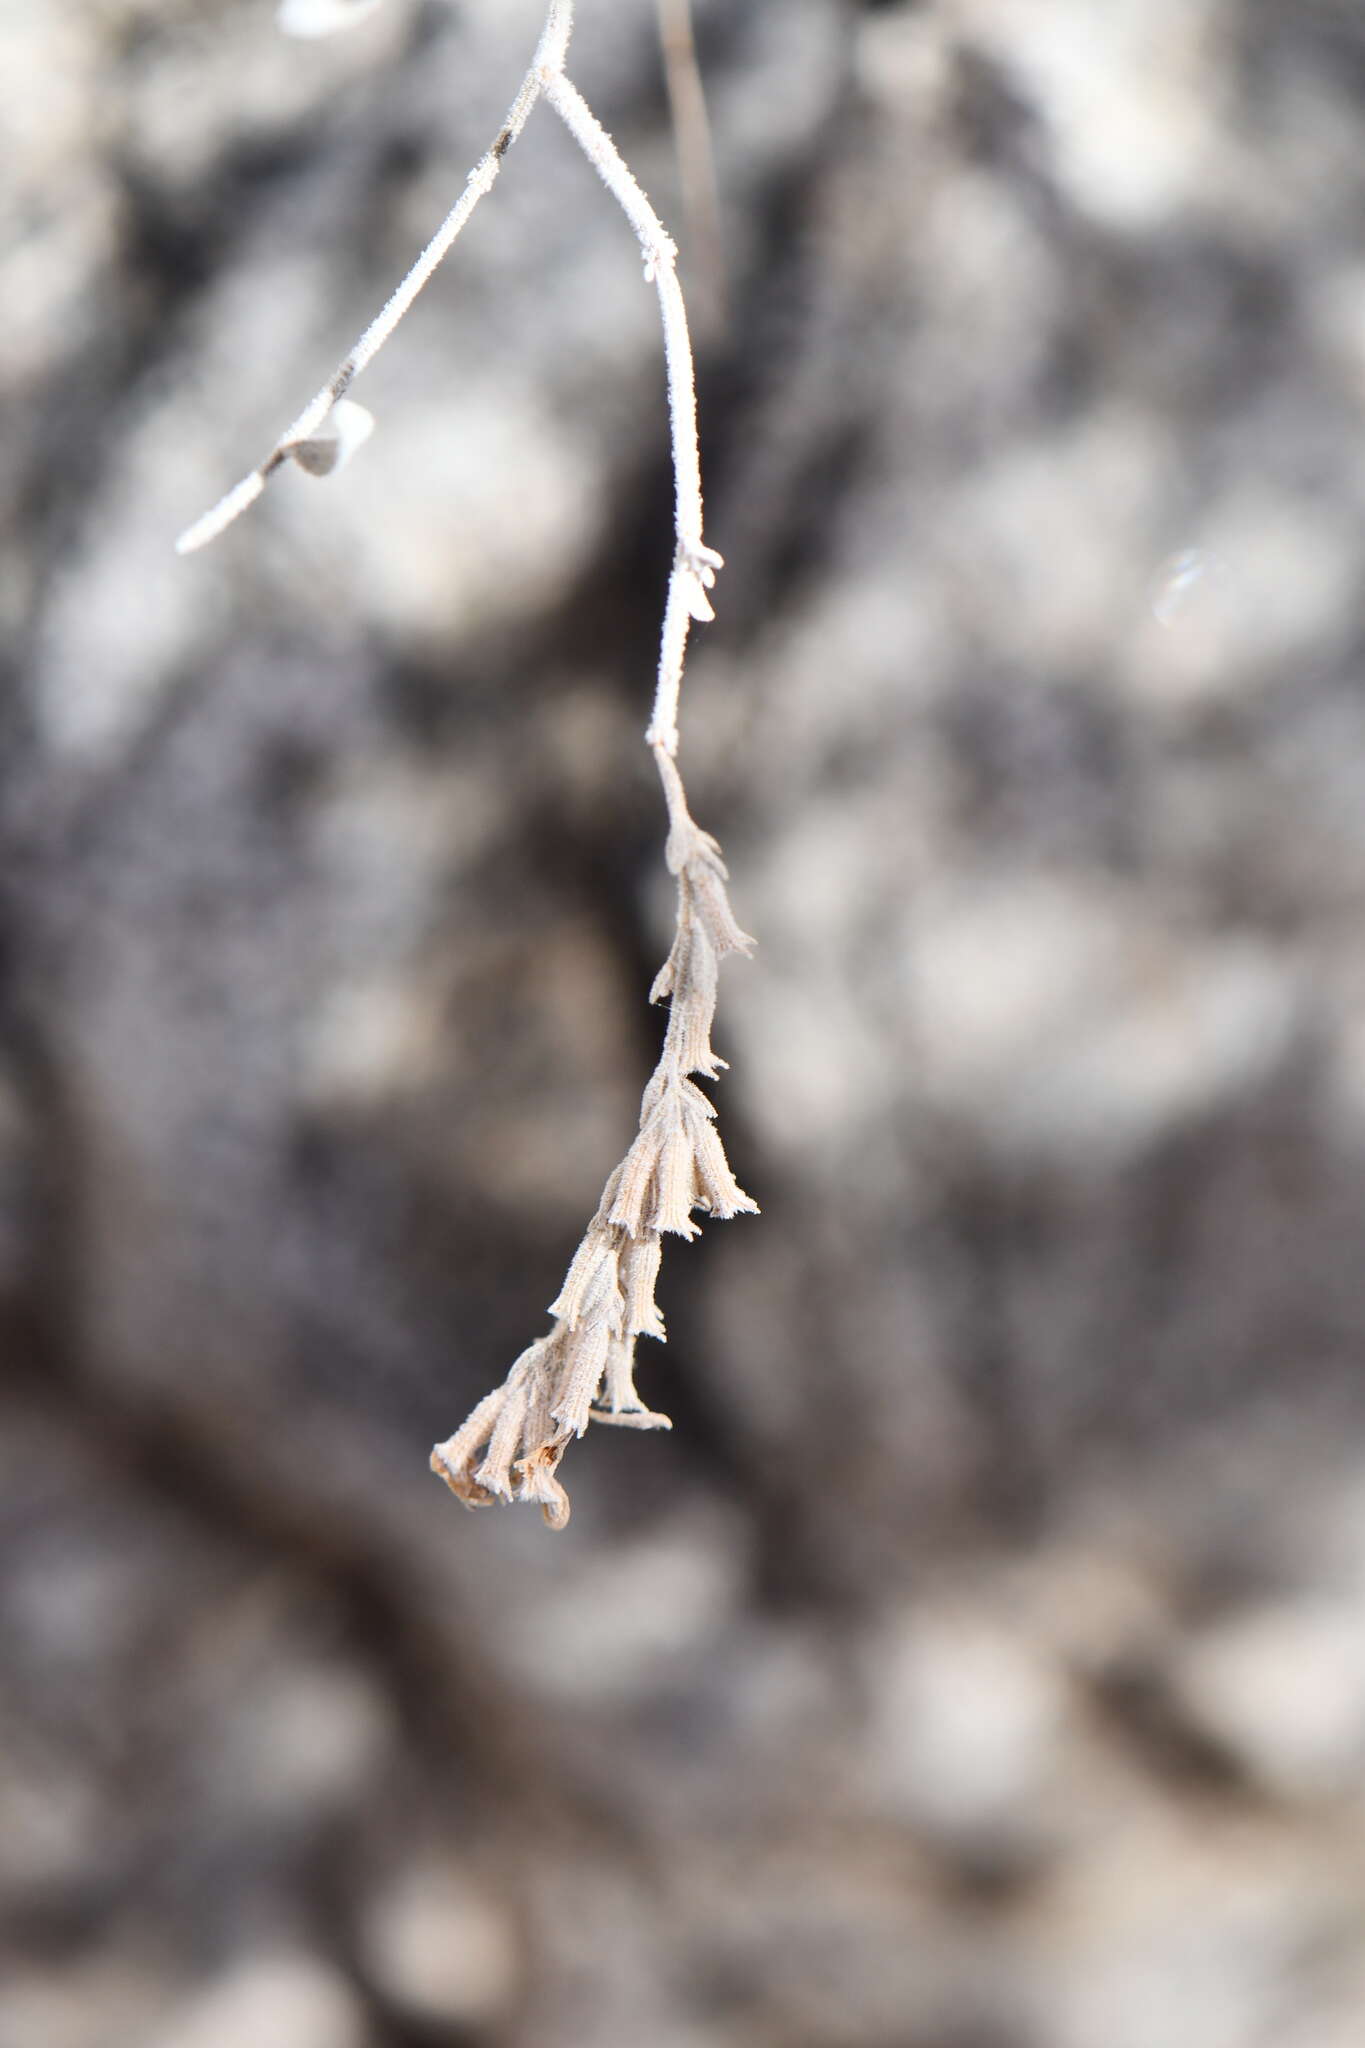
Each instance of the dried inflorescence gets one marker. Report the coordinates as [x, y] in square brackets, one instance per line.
[584, 1370]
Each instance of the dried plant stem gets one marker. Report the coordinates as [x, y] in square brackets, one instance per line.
[510, 1447]
[696, 159]
[694, 564]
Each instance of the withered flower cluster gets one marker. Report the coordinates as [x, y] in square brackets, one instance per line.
[583, 1370]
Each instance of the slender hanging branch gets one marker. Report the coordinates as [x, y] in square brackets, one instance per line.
[582, 1371]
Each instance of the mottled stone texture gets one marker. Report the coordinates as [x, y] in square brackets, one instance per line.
[981, 1662]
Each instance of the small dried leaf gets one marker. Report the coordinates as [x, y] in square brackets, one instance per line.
[697, 566]
[348, 426]
[699, 606]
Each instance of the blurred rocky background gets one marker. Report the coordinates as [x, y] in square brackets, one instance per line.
[981, 1661]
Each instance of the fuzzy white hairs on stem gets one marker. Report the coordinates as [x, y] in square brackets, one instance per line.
[582, 1370]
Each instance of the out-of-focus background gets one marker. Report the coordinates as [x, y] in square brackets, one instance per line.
[981, 1661]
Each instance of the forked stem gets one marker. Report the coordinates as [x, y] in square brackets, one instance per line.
[548, 61]
[694, 564]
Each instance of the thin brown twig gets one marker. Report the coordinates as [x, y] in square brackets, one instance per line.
[696, 163]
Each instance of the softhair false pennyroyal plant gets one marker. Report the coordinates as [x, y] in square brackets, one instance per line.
[583, 1369]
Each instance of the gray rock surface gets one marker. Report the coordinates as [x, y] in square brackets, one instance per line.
[981, 1661]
